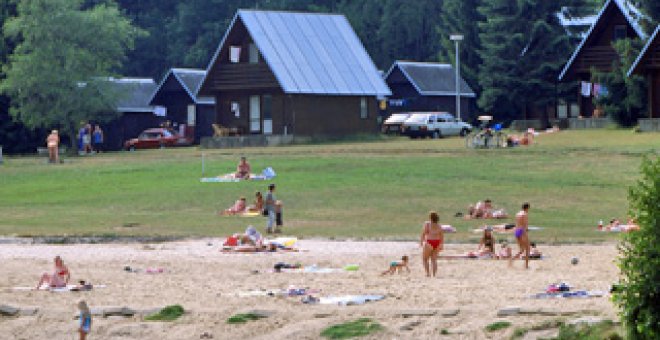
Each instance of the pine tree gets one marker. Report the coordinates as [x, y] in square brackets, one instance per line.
[461, 16]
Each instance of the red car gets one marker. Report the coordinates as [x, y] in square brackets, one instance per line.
[156, 138]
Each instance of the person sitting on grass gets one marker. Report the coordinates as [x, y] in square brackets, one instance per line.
[396, 266]
[59, 278]
[243, 169]
[238, 208]
[258, 205]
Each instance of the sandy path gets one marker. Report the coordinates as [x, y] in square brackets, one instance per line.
[206, 283]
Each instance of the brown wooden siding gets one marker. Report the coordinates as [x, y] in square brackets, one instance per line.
[598, 57]
[333, 115]
[243, 76]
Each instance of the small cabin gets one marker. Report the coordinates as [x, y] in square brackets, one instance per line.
[177, 101]
[647, 65]
[135, 112]
[279, 73]
[418, 86]
[614, 21]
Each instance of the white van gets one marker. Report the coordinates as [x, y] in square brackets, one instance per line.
[435, 125]
[392, 124]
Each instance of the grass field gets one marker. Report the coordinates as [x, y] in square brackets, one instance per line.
[380, 189]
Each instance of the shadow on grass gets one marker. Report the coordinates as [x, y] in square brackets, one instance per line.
[359, 327]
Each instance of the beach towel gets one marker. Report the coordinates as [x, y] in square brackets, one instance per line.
[487, 257]
[253, 250]
[448, 228]
[570, 294]
[346, 300]
[501, 229]
[267, 174]
[68, 288]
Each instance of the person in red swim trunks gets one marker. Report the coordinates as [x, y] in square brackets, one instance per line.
[432, 240]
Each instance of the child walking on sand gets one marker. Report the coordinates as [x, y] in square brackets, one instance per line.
[396, 266]
[85, 319]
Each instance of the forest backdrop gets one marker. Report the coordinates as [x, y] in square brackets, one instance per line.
[513, 49]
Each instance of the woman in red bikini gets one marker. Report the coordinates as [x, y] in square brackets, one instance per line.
[59, 278]
[431, 241]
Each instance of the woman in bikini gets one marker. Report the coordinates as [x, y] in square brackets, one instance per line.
[258, 205]
[59, 278]
[431, 241]
[487, 244]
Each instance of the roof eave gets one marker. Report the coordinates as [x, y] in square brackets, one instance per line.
[635, 65]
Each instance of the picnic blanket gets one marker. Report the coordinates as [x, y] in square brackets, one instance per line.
[475, 257]
[267, 174]
[505, 228]
[320, 270]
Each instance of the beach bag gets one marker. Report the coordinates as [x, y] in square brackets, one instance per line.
[265, 212]
[231, 241]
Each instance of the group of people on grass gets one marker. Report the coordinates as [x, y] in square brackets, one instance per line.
[90, 139]
[269, 207]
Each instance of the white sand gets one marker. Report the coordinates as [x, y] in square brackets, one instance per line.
[206, 283]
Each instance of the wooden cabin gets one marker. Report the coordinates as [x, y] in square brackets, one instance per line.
[136, 114]
[418, 86]
[614, 21]
[176, 99]
[648, 66]
[293, 73]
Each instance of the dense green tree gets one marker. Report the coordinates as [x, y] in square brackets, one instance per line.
[523, 48]
[366, 18]
[461, 16]
[56, 75]
[408, 31]
[639, 292]
[652, 9]
[626, 96]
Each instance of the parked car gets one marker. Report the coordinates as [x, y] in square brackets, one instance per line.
[435, 125]
[392, 124]
[156, 138]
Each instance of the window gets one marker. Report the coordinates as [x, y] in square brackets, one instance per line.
[266, 106]
[191, 115]
[562, 109]
[620, 32]
[253, 54]
[234, 54]
[364, 109]
[236, 109]
[255, 114]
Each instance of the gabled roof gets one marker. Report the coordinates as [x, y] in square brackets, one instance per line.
[310, 53]
[625, 8]
[641, 55]
[135, 94]
[190, 80]
[432, 79]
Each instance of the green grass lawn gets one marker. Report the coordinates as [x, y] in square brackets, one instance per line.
[379, 189]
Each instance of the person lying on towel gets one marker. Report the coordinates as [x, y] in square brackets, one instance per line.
[238, 208]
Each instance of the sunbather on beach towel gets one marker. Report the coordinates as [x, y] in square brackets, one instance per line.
[258, 205]
[59, 278]
[239, 207]
[487, 244]
[484, 209]
[243, 169]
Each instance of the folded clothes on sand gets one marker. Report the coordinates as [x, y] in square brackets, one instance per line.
[570, 294]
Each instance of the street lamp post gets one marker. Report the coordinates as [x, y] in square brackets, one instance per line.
[456, 38]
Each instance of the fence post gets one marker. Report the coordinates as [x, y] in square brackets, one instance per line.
[0, 154]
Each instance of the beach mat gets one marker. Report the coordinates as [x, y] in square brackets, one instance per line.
[69, 288]
[468, 257]
[570, 294]
[349, 300]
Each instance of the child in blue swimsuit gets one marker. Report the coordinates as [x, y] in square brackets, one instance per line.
[85, 319]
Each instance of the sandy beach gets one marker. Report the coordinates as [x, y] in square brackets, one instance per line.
[208, 283]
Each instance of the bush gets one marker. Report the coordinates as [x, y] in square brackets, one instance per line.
[169, 313]
[639, 298]
[360, 327]
[600, 331]
[496, 326]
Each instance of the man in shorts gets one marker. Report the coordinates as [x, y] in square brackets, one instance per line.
[521, 233]
[270, 208]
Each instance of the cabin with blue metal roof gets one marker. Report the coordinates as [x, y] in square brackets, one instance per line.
[306, 74]
[425, 86]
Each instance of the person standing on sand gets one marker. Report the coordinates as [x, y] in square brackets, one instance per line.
[270, 208]
[521, 233]
[53, 144]
[432, 240]
[85, 319]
